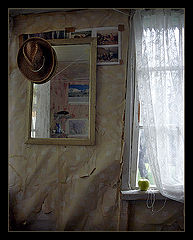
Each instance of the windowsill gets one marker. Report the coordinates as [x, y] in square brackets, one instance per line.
[140, 195]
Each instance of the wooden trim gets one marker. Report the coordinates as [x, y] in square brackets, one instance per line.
[124, 216]
[59, 141]
[138, 112]
[92, 90]
[140, 195]
[121, 61]
[29, 110]
[20, 40]
[70, 29]
[87, 40]
[121, 27]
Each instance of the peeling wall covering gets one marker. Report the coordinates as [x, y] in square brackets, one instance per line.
[73, 188]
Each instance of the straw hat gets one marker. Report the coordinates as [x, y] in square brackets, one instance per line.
[36, 60]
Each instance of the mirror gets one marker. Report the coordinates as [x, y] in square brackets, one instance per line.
[62, 110]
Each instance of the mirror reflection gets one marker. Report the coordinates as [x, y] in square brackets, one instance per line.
[60, 107]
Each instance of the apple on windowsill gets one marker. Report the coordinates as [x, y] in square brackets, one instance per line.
[143, 184]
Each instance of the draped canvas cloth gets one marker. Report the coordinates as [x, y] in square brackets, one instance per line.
[159, 39]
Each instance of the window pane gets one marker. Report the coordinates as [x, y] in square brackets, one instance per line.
[143, 168]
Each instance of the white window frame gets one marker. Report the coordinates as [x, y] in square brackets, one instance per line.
[129, 191]
[130, 152]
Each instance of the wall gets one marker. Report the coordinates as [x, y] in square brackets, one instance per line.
[58, 188]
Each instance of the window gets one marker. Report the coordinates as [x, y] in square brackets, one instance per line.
[155, 146]
[143, 169]
[140, 167]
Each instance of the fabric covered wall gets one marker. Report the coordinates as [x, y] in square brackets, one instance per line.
[72, 188]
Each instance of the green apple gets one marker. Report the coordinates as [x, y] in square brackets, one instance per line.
[143, 184]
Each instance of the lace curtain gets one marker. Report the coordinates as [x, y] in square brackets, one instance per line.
[159, 39]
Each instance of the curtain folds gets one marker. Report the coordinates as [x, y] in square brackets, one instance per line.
[159, 41]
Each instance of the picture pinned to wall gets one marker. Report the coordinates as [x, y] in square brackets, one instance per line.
[58, 34]
[78, 94]
[107, 37]
[84, 33]
[108, 46]
[77, 128]
[108, 43]
[107, 55]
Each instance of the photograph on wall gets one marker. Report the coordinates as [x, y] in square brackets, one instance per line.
[78, 128]
[108, 45]
[78, 93]
[60, 34]
[107, 37]
[107, 55]
[81, 34]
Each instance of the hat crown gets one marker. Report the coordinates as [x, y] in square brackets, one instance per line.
[33, 55]
[36, 60]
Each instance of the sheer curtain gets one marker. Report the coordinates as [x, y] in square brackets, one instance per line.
[159, 39]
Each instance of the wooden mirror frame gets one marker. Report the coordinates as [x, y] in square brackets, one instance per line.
[92, 99]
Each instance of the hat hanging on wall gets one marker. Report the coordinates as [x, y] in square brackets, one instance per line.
[36, 60]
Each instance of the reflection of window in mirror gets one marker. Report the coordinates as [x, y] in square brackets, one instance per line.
[64, 107]
[40, 124]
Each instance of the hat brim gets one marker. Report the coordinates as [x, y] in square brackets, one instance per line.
[46, 72]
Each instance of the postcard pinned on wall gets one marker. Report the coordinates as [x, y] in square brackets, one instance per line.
[108, 43]
[77, 128]
[81, 33]
[78, 93]
[109, 46]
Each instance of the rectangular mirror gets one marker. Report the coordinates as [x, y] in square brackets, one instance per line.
[62, 110]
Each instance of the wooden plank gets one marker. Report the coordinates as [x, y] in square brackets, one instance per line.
[121, 27]
[124, 215]
[140, 195]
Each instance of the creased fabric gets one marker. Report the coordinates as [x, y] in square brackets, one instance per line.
[73, 188]
[159, 38]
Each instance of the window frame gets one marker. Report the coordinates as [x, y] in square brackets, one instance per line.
[129, 191]
[133, 163]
